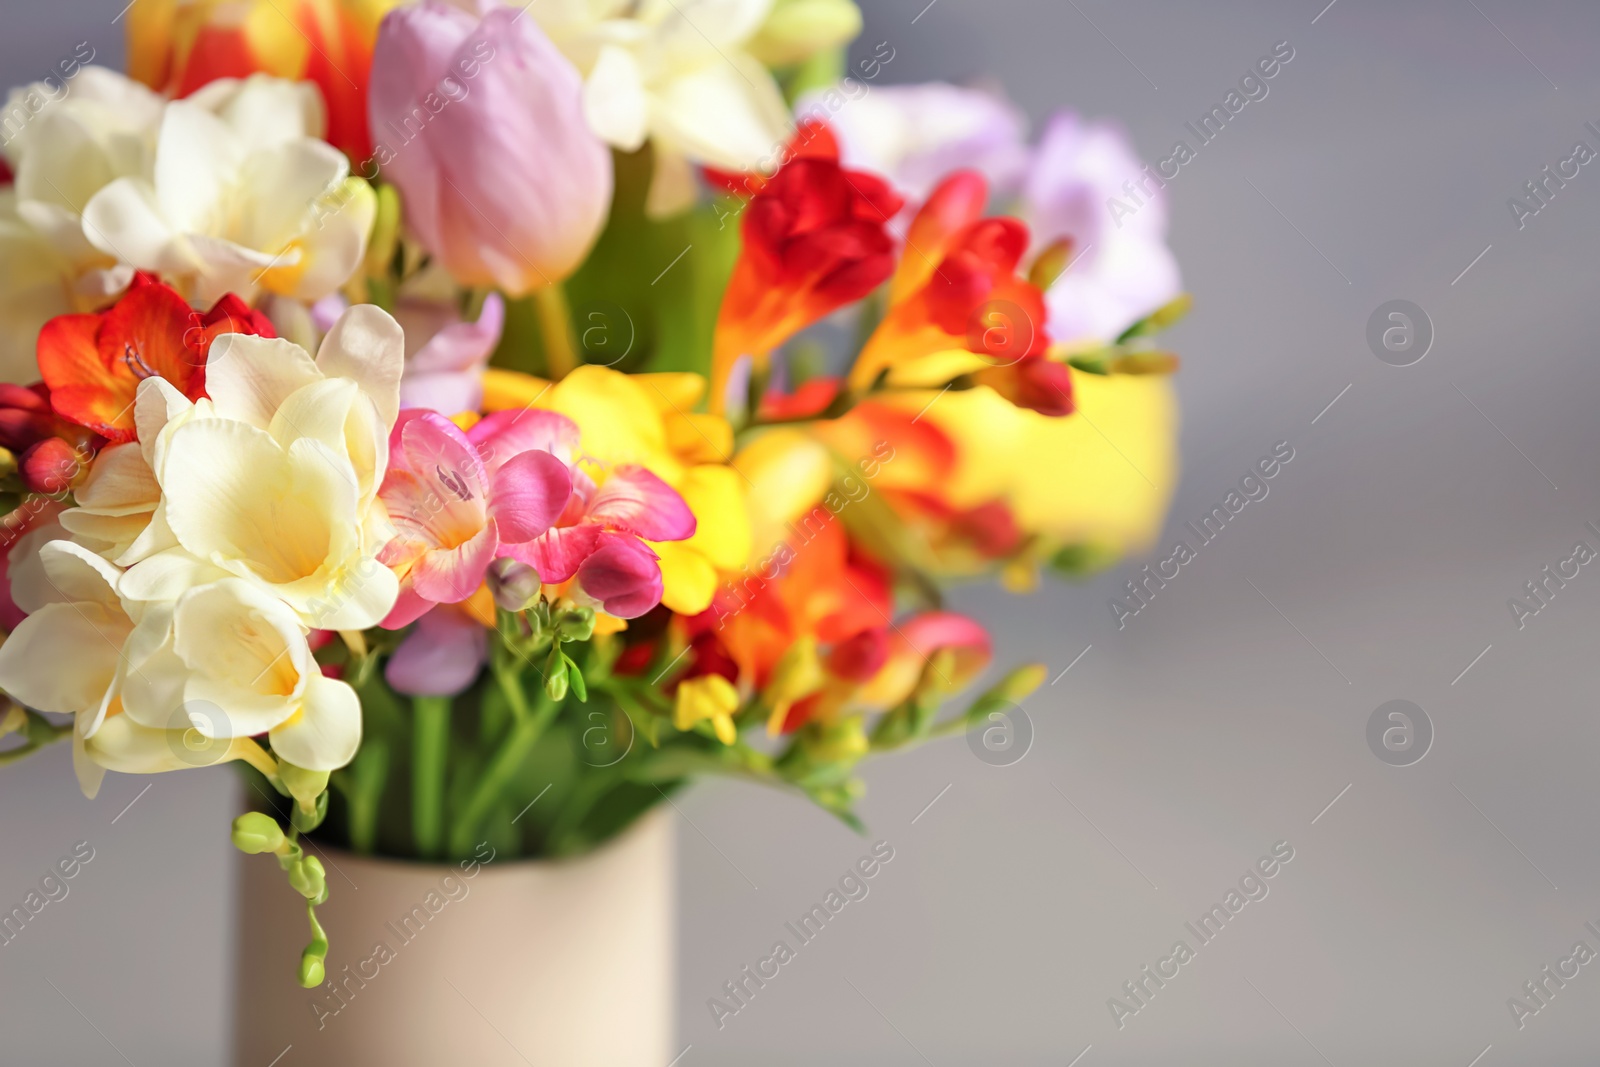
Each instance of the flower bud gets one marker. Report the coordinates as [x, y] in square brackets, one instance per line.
[480, 124]
[312, 969]
[556, 680]
[305, 786]
[515, 585]
[798, 29]
[255, 832]
[575, 624]
[309, 879]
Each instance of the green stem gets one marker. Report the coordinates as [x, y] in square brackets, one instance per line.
[589, 791]
[502, 768]
[555, 327]
[430, 738]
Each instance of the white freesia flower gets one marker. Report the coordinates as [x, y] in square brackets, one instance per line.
[246, 654]
[678, 72]
[273, 478]
[241, 196]
[63, 143]
[75, 654]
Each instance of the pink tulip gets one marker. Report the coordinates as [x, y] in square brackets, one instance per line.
[480, 124]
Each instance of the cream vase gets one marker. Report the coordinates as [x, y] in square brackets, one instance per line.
[566, 963]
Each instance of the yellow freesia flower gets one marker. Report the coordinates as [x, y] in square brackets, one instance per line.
[708, 696]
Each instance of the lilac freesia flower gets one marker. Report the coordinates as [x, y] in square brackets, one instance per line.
[914, 135]
[445, 371]
[1123, 269]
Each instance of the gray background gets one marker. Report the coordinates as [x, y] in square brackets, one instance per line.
[1209, 728]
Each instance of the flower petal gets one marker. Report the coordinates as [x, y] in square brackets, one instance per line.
[635, 500]
[324, 734]
[622, 574]
[559, 552]
[441, 657]
[529, 493]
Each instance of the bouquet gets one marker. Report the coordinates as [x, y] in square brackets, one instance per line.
[478, 424]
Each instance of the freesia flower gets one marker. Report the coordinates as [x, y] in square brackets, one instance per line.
[178, 46]
[92, 364]
[915, 135]
[679, 74]
[452, 511]
[507, 186]
[63, 144]
[649, 420]
[242, 196]
[273, 478]
[244, 651]
[958, 307]
[707, 697]
[442, 654]
[67, 656]
[446, 356]
[814, 240]
[1123, 270]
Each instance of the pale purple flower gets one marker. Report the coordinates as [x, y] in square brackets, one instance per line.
[445, 356]
[1123, 269]
[914, 135]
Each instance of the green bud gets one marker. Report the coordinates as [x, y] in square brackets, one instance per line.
[309, 879]
[556, 678]
[575, 624]
[1159, 319]
[580, 688]
[1019, 685]
[306, 820]
[385, 231]
[1084, 560]
[305, 786]
[255, 833]
[843, 742]
[312, 970]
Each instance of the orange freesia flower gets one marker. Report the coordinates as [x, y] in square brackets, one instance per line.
[815, 584]
[957, 306]
[93, 364]
[177, 46]
[814, 240]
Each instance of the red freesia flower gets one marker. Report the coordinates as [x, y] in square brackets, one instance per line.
[958, 289]
[92, 364]
[815, 239]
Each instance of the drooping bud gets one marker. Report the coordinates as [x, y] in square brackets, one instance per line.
[255, 832]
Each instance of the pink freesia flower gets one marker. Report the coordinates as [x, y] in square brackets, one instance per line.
[452, 509]
[599, 537]
[480, 124]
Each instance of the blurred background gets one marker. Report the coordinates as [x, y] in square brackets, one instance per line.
[1229, 715]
